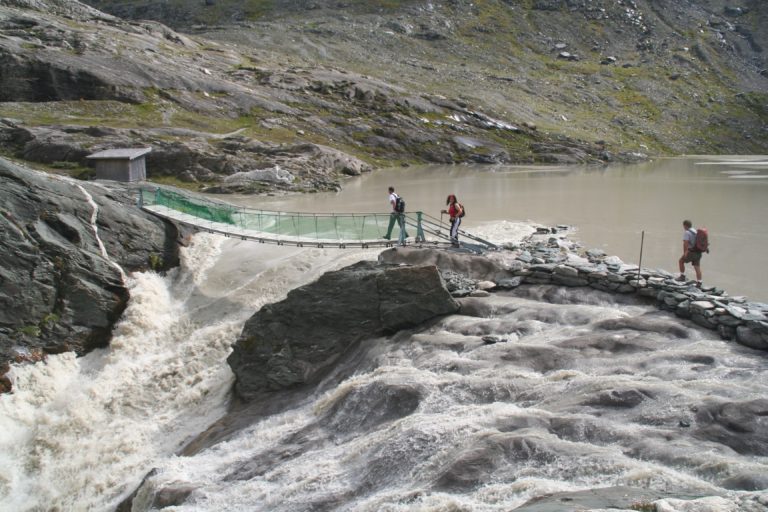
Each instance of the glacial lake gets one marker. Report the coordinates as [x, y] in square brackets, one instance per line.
[606, 207]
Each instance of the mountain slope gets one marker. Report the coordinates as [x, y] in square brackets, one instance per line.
[324, 92]
[672, 70]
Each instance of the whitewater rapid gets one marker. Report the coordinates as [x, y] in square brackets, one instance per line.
[439, 420]
[581, 390]
[79, 434]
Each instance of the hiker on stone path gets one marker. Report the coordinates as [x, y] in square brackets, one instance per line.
[455, 211]
[397, 215]
[695, 243]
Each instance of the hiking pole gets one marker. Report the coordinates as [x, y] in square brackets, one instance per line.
[439, 231]
[640, 265]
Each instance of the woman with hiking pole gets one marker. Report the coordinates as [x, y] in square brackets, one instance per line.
[455, 211]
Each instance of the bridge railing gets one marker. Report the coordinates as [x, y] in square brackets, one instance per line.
[230, 219]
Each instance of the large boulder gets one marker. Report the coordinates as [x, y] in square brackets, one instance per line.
[59, 289]
[296, 341]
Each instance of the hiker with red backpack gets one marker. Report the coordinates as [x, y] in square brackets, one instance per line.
[695, 243]
[455, 211]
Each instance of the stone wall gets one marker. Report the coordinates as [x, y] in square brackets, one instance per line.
[547, 259]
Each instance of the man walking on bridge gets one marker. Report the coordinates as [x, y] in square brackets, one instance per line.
[397, 215]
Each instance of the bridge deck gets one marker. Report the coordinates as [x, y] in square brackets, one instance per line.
[293, 228]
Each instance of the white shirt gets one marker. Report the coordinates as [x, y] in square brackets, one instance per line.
[393, 200]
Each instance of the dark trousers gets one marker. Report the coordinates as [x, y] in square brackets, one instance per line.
[455, 223]
[400, 219]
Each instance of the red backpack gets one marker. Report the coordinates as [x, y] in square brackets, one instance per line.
[701, 243]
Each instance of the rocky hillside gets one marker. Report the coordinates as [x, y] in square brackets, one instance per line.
[669, 76]
[263, 96]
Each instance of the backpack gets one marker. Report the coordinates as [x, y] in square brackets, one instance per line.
[701, 243]
[399, 204]
[463, 210]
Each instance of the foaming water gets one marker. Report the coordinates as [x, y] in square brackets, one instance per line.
[81, 433]
[577, 389]
[578, 393]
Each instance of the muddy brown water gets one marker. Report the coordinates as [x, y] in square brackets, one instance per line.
[607, 207]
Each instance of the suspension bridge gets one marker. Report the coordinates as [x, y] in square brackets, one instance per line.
[322, 230]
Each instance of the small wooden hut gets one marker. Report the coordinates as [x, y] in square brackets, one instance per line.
[126, 164]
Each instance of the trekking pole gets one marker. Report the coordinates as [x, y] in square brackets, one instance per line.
[439, 231]
[640, 265]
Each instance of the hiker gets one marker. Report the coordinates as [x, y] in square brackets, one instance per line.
[455, 211]
[694, 244]
[397, 215]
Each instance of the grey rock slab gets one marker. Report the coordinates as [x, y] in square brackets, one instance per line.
[297, 340]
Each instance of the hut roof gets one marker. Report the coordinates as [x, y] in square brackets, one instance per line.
[120, 154]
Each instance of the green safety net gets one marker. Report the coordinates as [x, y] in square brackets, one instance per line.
[350, 226]
[208, 210]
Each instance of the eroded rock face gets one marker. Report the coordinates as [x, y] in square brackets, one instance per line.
[58, 290]
[294, 341]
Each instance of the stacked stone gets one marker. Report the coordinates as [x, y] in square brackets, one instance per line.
[545, 259]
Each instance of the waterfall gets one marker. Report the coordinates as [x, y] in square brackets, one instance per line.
[94, 217]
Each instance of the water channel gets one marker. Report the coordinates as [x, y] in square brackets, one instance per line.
[607, 207]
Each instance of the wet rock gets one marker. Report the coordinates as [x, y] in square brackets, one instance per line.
[743, 426]
[279, 349]
[623, 398]
[751, 338]
[538, 358]
[474, 306]
[646, 324]
[57, 290]
[609, 343]
[471, 468]
[746, 482]
[510, 283]
[363, 409]
[171, 496]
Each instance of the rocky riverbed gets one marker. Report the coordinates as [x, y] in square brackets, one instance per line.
[540, 371]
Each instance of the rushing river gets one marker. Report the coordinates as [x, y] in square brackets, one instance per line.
[589, 390]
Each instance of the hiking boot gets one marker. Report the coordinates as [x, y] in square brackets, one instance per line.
[681, 277]
[385, 237]
[698, 284]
